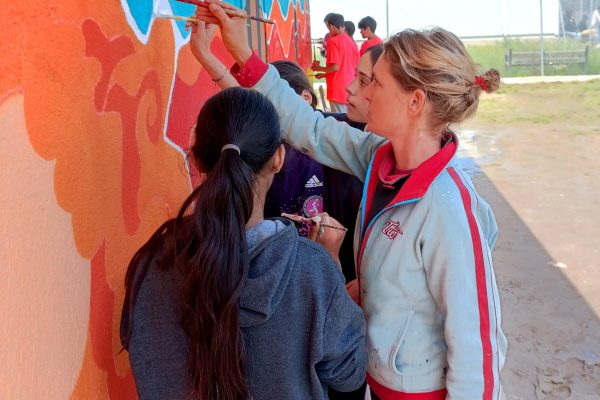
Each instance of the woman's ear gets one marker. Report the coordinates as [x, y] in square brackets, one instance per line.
[306, 96]
[417, 102]
[278, 159]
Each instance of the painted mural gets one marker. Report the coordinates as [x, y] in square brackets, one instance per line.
[96, 104]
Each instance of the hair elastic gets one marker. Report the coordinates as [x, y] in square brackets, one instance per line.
[231, 146]
[480, 81]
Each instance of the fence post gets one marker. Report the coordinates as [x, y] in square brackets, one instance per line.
[585, 62]
[387, 20]
[541, 38]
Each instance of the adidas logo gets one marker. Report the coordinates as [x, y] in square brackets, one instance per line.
[313, 182]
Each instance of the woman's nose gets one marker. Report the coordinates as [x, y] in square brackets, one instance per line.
[349, 88]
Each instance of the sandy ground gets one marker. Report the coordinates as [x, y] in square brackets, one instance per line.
[543, 185]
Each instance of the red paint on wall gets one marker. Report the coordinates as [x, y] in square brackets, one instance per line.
[187, 98]
[108, 52]
[282, 36]
[100, 329]
[128, 108]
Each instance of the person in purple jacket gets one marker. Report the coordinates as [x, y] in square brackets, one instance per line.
[306, 187]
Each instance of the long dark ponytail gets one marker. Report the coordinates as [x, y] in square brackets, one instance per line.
[206, 243]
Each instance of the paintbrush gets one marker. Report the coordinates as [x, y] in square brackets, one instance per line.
[177, 18]
[231, 13]
[300, 218]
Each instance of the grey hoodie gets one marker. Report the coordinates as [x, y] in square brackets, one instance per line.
[301, 329]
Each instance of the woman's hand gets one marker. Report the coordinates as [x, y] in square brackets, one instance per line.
[330, 238]
[234, 30]
[352, 289]
[316, 66]
[200, 39]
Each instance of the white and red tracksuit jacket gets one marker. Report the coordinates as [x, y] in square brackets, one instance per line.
[424, 262]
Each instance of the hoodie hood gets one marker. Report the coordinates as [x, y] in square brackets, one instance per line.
[273, 245]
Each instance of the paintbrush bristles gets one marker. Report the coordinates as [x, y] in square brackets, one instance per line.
[178, 18]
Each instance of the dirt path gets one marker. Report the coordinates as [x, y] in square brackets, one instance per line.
[542, 180]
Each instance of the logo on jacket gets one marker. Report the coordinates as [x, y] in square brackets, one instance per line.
[313, 205]
[313, 182]
[391, 229]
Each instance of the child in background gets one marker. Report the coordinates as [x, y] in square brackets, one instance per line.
[341, 61]
[367, 27]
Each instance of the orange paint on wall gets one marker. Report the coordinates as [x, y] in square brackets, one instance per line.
[283, 28]
[109, 116]
[43, 329]
[95, 101]
[281, 36]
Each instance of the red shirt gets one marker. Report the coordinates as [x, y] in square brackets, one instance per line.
[374, 41]
[341, 50]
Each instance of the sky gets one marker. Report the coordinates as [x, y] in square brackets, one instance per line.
[463, 17]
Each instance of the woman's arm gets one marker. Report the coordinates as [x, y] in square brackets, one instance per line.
[328, 141]
[200, 39]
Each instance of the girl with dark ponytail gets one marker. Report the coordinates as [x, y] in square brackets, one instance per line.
[222, 304]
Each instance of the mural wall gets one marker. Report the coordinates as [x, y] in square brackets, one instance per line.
[97, 99]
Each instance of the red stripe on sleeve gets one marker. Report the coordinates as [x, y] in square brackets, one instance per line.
[482, 297]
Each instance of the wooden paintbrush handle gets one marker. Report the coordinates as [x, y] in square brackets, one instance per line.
[231, 13]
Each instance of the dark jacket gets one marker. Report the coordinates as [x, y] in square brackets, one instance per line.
[301, 329]
[304, 185]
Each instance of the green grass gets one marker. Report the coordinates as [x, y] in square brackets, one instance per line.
[491, 55]
[573, 106]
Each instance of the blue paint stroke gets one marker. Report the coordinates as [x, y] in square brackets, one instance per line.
[141, 11]
[185, 10]
[267, 6]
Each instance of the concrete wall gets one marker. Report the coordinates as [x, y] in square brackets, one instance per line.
[96, 102]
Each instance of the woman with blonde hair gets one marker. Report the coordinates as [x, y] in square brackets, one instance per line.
[424, 236]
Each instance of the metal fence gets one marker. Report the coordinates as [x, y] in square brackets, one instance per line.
[579, 34]
[575, 17]
[518, 37]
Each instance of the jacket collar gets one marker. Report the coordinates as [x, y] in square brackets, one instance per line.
[416, 185]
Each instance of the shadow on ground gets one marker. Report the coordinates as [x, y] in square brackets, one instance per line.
[553, 333]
